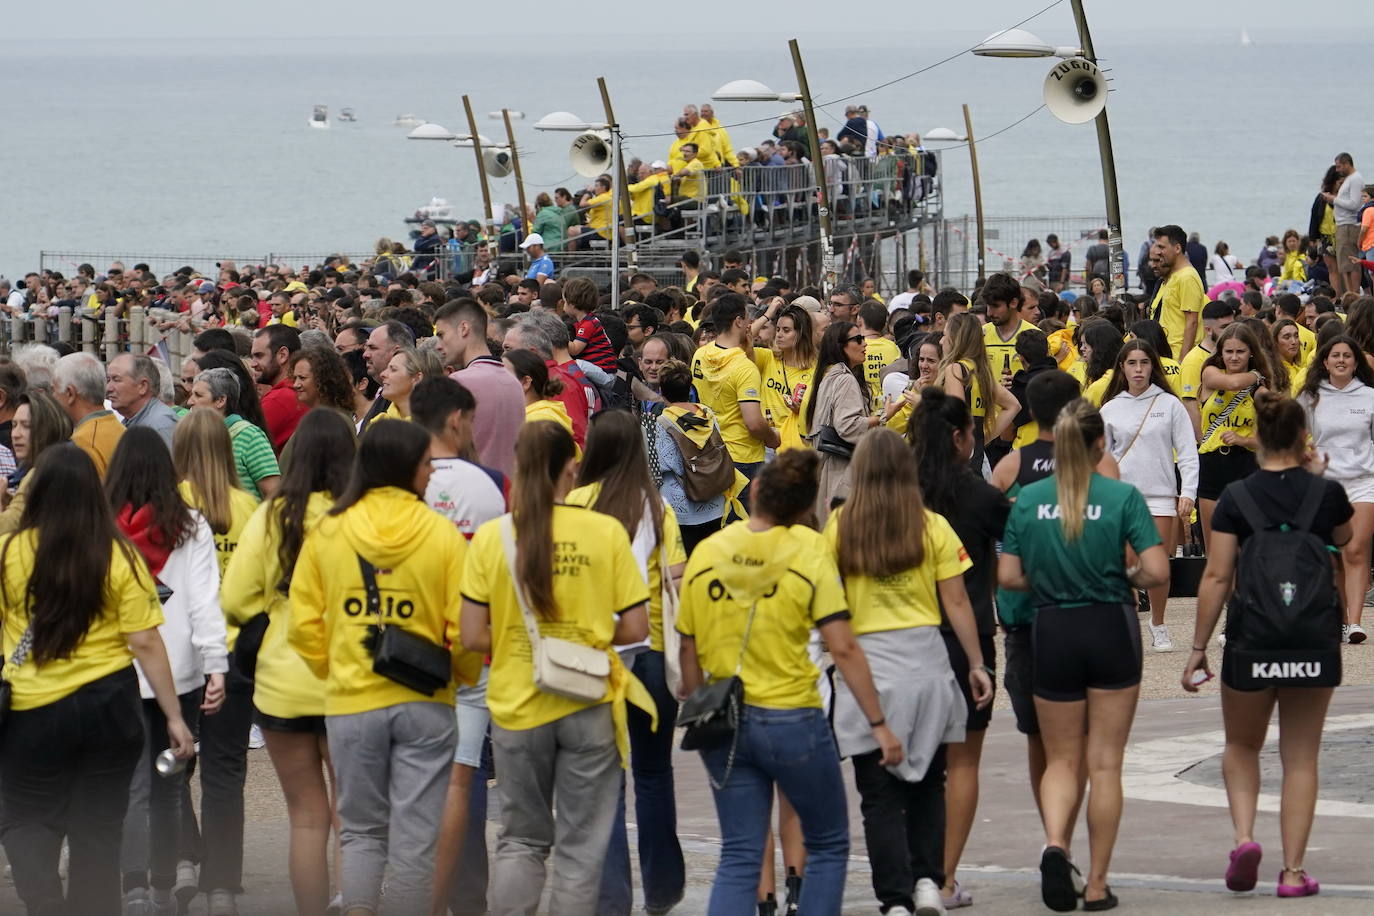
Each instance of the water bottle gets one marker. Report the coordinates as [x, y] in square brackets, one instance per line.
[168, 764]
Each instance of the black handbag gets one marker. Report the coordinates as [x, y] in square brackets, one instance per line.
[397, 655]
[712, 714]
[829, 442]
[20, 655]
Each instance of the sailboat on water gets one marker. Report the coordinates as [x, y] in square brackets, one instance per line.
[1245, 41]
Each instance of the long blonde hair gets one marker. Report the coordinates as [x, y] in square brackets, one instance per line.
[964, 341]
[882, 525]
[1076, 453]
[204, 458]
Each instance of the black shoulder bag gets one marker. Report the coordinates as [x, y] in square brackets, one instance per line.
[712, 713]
[409, 660]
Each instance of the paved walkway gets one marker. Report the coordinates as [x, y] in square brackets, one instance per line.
[1175, 832]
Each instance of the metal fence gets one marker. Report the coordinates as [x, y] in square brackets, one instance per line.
[67, 262]
[948, 248]
[148, 331]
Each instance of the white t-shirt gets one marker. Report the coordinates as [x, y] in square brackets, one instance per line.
[894, 386]
[1224, 268]
[465, 493]
[900, 301]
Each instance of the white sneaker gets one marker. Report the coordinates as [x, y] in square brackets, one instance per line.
[221, 903]
[1221, 640]
[255, 738]
[928, 899]
[1160, 634]
[1353, 634]
[187, 885]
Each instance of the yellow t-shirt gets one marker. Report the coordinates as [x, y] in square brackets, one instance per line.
[1190, 372]
[599, 214]
[1309, 344]
[1063, 338]
[585, 496]
[798, 588]
[1241, 420]
[1173, 374]
[879, 353]
[908, 598]
[725, 378]
[1002, 353]
[595, 577]
[418, 555]
[642, 194]
[977, 407]
[1297, 375]
[242, 505]
[779, 382]
[131, 606]
[284, 685]
[689, 179]
[1079, 370]
[1182, 292]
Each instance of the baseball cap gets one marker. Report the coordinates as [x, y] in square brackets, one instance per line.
[810, 303]
[534, 238]
[658, 164]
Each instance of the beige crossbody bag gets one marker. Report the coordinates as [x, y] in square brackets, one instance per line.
[562, 667]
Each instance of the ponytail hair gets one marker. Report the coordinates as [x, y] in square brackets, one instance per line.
[942, 473]
[529, 364]
[542, 450]
[1281, 423]
[1076, 434]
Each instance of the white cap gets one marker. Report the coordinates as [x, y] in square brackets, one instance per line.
[534, 238]
[658, 164]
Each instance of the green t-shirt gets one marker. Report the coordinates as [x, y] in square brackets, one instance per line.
[1091, 570]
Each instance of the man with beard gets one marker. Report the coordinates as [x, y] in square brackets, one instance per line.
[1179, 301]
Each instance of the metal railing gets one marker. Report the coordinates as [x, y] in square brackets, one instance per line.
[104, 336]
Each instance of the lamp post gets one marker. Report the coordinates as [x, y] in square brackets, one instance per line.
[754, 91]
[566, 122]
[945, 135]
[432, 131]
[1018, 43]
[505, 114]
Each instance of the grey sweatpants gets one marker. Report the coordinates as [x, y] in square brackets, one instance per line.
[571, 764]
[392, 767]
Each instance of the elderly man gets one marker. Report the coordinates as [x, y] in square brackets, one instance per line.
[133, 385]
[382, 344]
[526, 334]
[427, 245]
[699, 132]
[78, 384]
[719, 135]
[649, 178]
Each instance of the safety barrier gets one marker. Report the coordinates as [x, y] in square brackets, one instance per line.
[149, 331]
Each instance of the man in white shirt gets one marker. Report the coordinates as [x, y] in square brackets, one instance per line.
[914, 280]
[1345, 205]
[14, 300]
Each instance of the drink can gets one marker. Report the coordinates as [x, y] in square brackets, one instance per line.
[168, 764]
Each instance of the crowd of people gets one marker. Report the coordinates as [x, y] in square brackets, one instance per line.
[423, 535]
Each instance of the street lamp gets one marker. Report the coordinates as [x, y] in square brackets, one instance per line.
[567, 122]
[1018, 43]
[432, 131]
[754, 91]
[505, 114]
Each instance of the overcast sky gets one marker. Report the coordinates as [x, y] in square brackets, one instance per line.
[367, 18]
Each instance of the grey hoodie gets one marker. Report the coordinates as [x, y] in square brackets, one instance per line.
[1148, 464]
[1342, 426]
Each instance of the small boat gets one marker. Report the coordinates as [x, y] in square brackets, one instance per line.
[408, 120]
[346, 114]
[438, 209]
[1245, 41]
[320, 118]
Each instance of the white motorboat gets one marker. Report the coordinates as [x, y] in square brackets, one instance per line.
[438, 209]
[408, 120]
[346, 114]
[320, 118]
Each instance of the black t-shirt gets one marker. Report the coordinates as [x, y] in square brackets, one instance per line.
[979, 518]
[1279, 494]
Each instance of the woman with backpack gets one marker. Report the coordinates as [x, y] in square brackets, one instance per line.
[1238, 369]
[614, 480]
[1290, 517]
[1338, 395]
[840, 411]
[684, 424]
[1150, 435]
[1065, 543]
[751, 596]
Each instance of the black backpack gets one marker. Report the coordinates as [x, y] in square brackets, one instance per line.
[1283, 625]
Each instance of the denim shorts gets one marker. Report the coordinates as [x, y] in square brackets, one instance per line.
[473, 718]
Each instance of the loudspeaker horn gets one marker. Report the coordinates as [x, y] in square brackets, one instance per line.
[591, 153]
[1075, 91]
[496, 161]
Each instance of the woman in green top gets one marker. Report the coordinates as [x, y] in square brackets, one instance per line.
[1072, 529]
[548, 222]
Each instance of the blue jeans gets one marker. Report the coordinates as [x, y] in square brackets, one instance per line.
[651, 760]
[794, 749]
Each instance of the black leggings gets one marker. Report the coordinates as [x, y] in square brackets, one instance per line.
[904, 827]
[1095, 645]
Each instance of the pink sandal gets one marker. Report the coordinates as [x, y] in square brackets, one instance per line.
[1308, 888]
[1243, 872]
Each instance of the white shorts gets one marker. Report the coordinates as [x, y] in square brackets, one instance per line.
[470, 708]
[1162, 506]
[1359, 490]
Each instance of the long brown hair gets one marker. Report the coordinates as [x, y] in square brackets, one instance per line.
[1263, 357]
[964, 341]
[204, 458]
[542, 450]
[1076, 434]
[882, 524]
[1118, 383]
[1317, 371]
[803, 354]
[615, 458]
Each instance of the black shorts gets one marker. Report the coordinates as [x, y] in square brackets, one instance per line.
[1018, 678]
[978, 719]
[1219, 468]
[1076, 648]
[299, 725]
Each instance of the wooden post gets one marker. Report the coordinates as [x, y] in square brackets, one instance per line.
[492, 237]
[977, 194]
[525, 220]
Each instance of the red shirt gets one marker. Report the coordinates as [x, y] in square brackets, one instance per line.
[597, 346]
[574, 399]
[282, 411]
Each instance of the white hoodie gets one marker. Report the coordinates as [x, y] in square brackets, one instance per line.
[1342, 426]
[193, 629]
[1148, 464]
